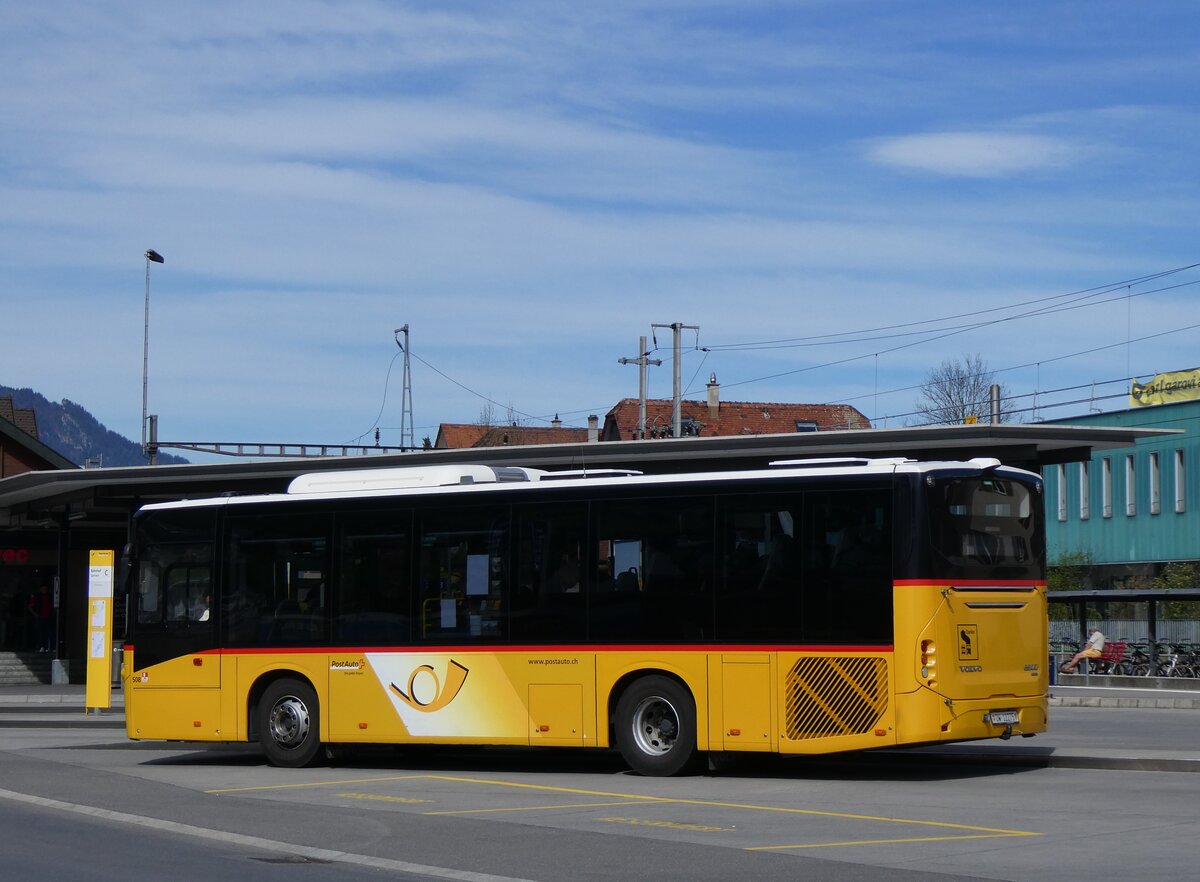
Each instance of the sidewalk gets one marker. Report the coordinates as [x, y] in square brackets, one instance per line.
[57, 707]
[41, 696]
[1126, 697]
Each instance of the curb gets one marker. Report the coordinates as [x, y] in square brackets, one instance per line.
[1072, 761]
[1138, 703]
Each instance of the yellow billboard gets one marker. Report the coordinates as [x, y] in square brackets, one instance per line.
[1165, 388]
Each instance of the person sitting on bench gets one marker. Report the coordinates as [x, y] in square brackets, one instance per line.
[1093, 649]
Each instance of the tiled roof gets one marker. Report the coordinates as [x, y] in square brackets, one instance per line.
[24, 418]
[733, 418]
[22, 449]
[460, 436]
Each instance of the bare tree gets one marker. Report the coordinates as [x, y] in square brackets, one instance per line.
[487, 415]
[957, 390]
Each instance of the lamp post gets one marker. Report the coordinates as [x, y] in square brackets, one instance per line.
[152, 256]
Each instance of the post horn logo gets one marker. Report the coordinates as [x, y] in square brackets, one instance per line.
[456, 676]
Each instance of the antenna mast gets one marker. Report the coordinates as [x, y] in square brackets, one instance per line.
[406, 410]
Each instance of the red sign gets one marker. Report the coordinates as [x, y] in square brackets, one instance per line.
[14, 555]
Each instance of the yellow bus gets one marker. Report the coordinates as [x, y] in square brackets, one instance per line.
[808, 607]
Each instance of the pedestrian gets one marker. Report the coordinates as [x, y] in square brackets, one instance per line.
[1093, 649]
[41, 608]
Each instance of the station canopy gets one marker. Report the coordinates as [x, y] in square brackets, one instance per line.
[105, 497]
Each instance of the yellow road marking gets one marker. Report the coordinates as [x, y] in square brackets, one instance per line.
[379, 797]
[663, 800]
[890, 841]
[541, 808]
[317, 784]
[670, 825]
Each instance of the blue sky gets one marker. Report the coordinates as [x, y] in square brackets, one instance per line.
[531, 185]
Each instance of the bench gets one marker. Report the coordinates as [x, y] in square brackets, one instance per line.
[1113, 652]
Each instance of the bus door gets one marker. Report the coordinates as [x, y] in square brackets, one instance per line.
[173, 631]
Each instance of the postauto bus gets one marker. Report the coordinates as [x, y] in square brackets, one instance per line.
[809, 607]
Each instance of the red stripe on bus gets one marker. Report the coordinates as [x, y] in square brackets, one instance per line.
[974, 583]
[460, 648]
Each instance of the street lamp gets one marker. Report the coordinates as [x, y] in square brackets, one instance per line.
[152, 256]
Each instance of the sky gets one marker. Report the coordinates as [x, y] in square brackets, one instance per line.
[839, 195]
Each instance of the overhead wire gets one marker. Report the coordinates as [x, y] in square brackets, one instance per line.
[1052, 305]
[934, 336]
[1083, 294]
[383, 404]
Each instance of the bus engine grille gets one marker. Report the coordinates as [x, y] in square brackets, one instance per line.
[827, 697]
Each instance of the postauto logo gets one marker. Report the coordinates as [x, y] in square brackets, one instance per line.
[426, 692]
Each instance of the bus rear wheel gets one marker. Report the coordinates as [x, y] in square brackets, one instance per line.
[289, 724]
[656, 727]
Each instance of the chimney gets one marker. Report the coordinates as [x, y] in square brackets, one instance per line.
[593, 429]
[556, 423]
[714, 397]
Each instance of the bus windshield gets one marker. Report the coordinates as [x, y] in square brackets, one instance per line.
[985, 527]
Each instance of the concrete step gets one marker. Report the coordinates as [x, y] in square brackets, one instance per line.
[24, 668]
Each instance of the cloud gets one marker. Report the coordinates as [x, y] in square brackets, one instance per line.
[973, 154]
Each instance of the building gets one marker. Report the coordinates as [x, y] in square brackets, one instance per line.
[20, 448]
[713, 417]
[1128, 512]
[462, 436]
[29, 558]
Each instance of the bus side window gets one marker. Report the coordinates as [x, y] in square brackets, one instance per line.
[661, 551]
[848, 568]
[375, 583]
[463, 574]
[277, 570]
[758, 595]
[549, 572]
[173, 583]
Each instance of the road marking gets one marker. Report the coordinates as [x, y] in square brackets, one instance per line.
[988, 832]
[670, 825]
[541, 808]
[891, 841]
[320, 854]
[318, 784]
[378, 797]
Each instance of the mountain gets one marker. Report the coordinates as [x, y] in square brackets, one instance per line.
[77, 435]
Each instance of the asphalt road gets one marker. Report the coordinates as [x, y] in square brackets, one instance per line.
[84, 803]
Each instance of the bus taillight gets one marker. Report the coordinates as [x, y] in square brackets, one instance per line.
[929, 660]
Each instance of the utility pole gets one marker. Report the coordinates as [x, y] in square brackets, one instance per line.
[406, 411]
[677, 375]
[152, 256]
[641, 361]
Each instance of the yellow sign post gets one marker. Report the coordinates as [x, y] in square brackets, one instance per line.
[98, 693]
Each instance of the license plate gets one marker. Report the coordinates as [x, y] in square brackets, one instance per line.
[1003, 718]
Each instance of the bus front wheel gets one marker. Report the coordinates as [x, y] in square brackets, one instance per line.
[288, 724]
[656, 727]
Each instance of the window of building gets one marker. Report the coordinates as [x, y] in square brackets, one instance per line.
[1106, 502]
[1060, 473]
[1155, 485]
[1130, 487]
[1085, 491]
[1180, 482]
